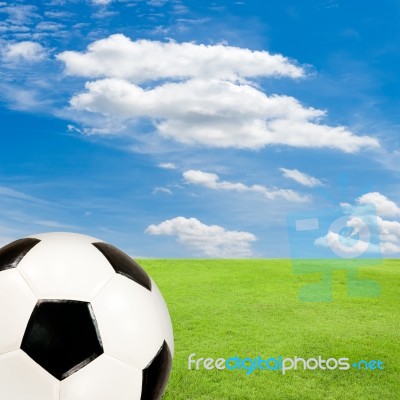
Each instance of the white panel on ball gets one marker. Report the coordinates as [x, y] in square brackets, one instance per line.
[16, 304]
[165, 317]
[65, 266]
[22, 379]
[129, 321]
[106, 378]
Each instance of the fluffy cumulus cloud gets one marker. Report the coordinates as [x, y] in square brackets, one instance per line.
[206, 240]
[23, 51]
[384, 206]
[371, 209]
[212, 181]
[146, 60]
[300, 177]
[201, 94]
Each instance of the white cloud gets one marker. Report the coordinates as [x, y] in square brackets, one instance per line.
[203, 95]
[362, 218]
[59, 14]
[49, 26]
[23, 51]
[346, 247]
[167, 165]
[145, 60]
[53, 224]
[20, 14]
[218, 113]
[101, 2]
[17, 29]
[206, 240]
[14, 194]
[157, 3]
[104, 13]
[73, 128]
[390, 230]
[162, 190]
[384, 206]
[390, 248]
[212, 181]
[300, 177]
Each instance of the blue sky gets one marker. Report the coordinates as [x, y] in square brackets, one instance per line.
[202, 129]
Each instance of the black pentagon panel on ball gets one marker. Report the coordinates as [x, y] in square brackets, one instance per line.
[62, 336]
[124, 265]
[12, 254]
[156, 374]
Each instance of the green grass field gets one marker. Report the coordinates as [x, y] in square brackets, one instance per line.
[224, 308]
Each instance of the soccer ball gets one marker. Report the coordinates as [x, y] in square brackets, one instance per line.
[80, 320]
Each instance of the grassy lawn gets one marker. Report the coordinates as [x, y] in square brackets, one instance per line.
[224, 308]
